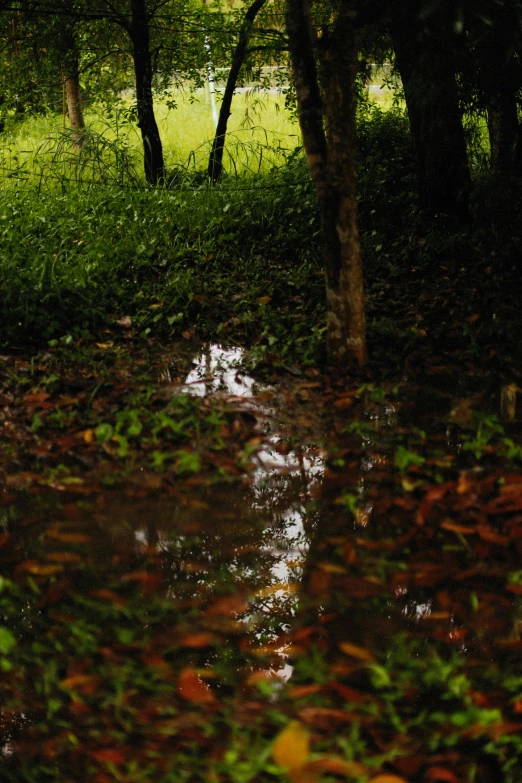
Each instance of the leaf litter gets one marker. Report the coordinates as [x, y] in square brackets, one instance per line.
[206, 576]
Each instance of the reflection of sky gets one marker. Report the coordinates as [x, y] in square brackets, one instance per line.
[216, 369]
[281, 483]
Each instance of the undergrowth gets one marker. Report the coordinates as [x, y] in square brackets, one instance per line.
[242, 260]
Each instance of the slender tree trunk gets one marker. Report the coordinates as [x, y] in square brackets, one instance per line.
[215, 163]
[503, 129]
[70, 56]
[152, 149]
[332, 161]
[74, 104]
[426, 66]
[502, 84]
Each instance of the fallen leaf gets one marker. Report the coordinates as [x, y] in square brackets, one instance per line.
[356, 652]
[125, 322]
[263, 300]
[292, 747]
[40, 569]
[35, 397]
[337, 766]
[225, 607]
[68, 538]
[197, 640]
[108, 756]
[387, 778]
[86, 683]
[192, 688]
[441, 775]
[63, 557]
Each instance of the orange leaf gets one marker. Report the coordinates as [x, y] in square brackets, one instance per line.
[68, 538]
[40, 569]
[225, 607]
[264, 300]
[441, 775]
[108, 756]
[192, 688]
[387, 778]
[195, 640]
[36, 397]
[336, 766]
[86, 683]
[292, 747]
[108, 595]
[356, 652]
[148, 580]
[63, 557]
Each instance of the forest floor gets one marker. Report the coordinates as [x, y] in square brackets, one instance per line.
[218, 571]
[219, 563]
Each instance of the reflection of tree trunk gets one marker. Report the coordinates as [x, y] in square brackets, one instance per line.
[152, 148]
[501, 87]
[331, 158]
[426, 66]
[215, 164]
[74, 105]
[503, 131]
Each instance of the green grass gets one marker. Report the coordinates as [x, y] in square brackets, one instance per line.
[261, 134]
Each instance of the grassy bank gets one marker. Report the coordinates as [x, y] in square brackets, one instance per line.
[242, 261]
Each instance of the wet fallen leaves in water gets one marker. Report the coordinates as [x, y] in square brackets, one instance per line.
[161, 582]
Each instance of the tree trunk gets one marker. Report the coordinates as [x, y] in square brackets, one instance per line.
[215, 163]
[74, 105]
[332, 162]
[152, 149]
[503, 129]
[426, 65]
[501, 86]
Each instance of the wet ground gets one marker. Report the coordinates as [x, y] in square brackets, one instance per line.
[343, 579]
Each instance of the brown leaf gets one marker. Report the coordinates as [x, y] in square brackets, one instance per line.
[63, 557]
[125, 322]
[39, 569]
[441, 775]
[32, 398]
[192, 688]
[356, 652]
[387, 778]
[149, 581]
[336, 766]
[229, 606]
[196, 640]
[108, 756]
[108, 595]
[263, 300]
[292, 747]
[326, 718]
[68, 538]
[85, 683]
[465, 530]
[343, 402]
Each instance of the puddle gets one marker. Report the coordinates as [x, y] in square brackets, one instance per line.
[209, 581]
